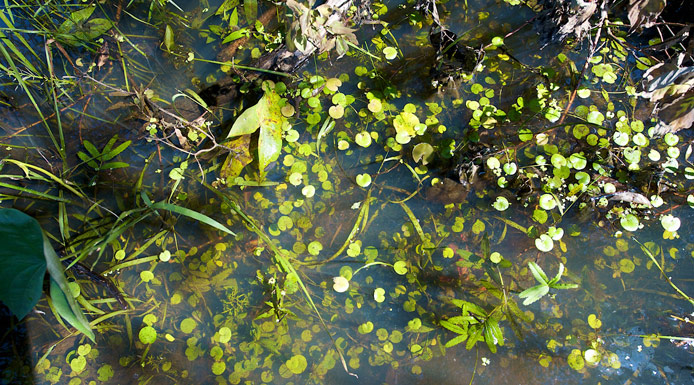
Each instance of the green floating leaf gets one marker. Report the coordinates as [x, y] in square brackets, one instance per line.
[297, 364]
[22, 264]
[147, 335]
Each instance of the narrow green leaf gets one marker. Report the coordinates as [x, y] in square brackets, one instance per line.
[112, 154]
[188, 213]
[534, 293]
[168, 38]
[473, 337]
[113, 165]
[453, 327]
[538, 273]
[91, 149]
[562, 286]
[455, 341]
[559, 273]
[489, 337]
[496, 331]
[60, 302]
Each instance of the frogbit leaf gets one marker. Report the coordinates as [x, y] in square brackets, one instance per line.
[61, 295]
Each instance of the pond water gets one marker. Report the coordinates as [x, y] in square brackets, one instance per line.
[207, 307]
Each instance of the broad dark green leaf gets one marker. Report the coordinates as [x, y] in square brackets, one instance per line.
[22, 265]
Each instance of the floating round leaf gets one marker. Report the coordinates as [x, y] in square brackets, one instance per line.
[594, 321]
[146, 276]
[314, 248]
[308, 191]
[336, 112]
[375, 106]
[592, 357]
[670, 223]
[379, 294]
[188, 325]
[626, 265]
[630, 222]
[224, 335]
[78, 364]
[147, 335]
[390, 53]
[340, 284]
[363, 139]
[422, 152]
[296, 364]
[400, 267]
[547, 201]
[364, 180]
[366, 327]
[501, 204]
[544, 243]
[218, 368]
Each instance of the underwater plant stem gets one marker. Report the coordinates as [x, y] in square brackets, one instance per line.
[667, 279]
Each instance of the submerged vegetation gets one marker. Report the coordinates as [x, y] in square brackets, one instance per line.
[297, 192]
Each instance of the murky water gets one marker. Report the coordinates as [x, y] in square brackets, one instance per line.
[223, 313]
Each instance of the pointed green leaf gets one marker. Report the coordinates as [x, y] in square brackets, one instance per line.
[496, 331]
[186, 212]
[456, 341]
[538, 273]
[22, 265]
[489, 337]
[559, 274]
[534, 293]
[562, 286]
[168, 38]
[113, 165]
[91, 149]
[110, 154]
[453, 327]
[247, 123]
[473, 337]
